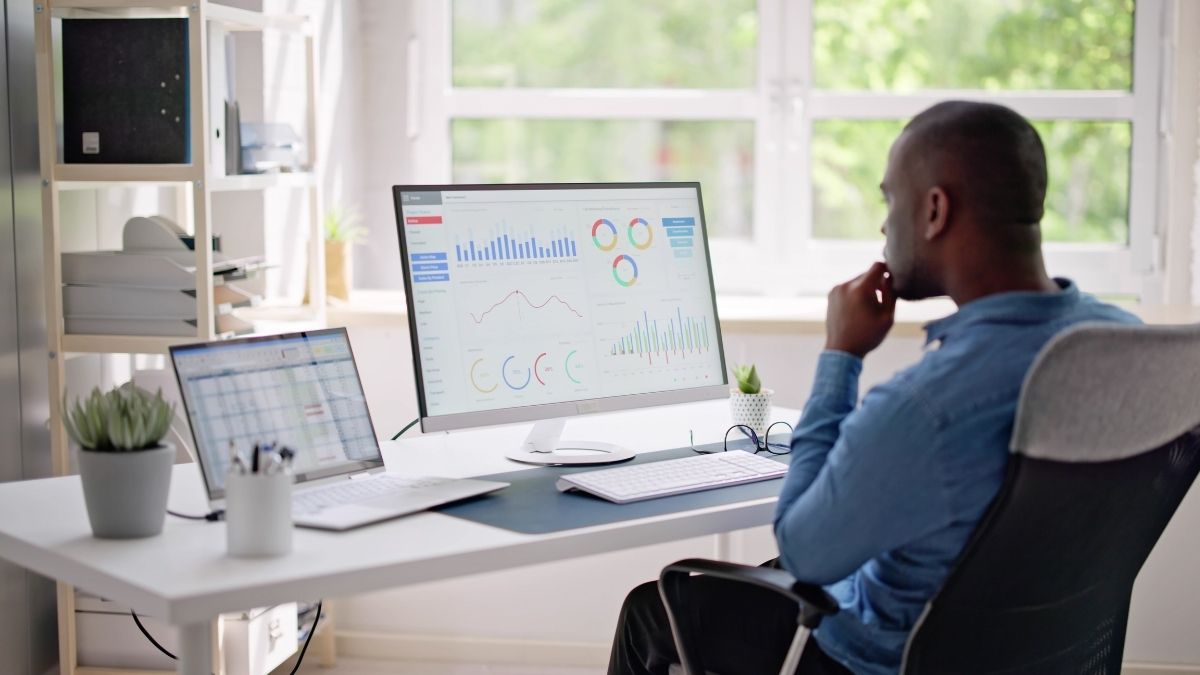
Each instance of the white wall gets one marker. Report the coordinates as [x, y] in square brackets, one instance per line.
[389, 156]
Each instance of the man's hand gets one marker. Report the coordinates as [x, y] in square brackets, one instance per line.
[860, 312]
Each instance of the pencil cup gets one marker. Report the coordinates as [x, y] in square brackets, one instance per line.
[258, 514]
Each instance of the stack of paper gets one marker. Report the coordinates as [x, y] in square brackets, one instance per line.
[149, 287]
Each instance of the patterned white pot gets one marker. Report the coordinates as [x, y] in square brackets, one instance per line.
[753, 410]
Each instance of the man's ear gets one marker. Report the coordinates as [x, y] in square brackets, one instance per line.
[937, 213]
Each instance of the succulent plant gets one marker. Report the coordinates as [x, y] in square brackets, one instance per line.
[123, 419]
[747, 379]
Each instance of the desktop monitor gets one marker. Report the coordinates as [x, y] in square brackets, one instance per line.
[543, 301]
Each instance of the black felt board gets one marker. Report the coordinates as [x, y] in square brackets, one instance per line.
[532, 505]
[127, 81]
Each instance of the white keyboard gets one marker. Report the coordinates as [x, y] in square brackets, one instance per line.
[357, 491]
[673, 476]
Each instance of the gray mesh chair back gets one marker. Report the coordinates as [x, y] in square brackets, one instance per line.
[1106, 444]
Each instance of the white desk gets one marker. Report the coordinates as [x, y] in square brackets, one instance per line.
[184, 577]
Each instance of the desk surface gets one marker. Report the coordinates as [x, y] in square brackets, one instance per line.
[183, 576]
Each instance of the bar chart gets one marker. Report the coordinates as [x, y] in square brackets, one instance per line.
[671, 337]
[504, 247]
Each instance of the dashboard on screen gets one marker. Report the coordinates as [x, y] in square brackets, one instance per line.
[529, 295]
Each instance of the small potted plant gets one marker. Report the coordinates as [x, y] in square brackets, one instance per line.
[342, 230]
[124, 465]
[750, 403]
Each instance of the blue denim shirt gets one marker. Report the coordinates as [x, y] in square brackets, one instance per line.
[881, 497]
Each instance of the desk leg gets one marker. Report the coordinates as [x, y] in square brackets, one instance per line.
[723, 546]
[195, 649]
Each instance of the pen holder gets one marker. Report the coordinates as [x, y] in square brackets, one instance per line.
[258, 514]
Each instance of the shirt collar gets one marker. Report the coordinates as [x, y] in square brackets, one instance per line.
[1015, 307]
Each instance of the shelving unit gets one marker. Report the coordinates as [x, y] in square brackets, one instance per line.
[195, 183]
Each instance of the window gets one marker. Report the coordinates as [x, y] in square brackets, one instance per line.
[785, 110]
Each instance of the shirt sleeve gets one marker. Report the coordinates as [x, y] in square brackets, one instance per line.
[834, 395]
[862, 481]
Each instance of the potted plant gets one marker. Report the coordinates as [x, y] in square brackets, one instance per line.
[124, 465]
[342, 230]
[750, 403]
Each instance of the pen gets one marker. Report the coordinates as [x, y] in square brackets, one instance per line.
[235, 459]
[274, 464]
[287, 455]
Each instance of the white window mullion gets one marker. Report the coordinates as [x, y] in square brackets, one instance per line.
[1058, 105]
[770, 192]
[1148, 29]
[732, 256]
[794, 219]
[638, 104]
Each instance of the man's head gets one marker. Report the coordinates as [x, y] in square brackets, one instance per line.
[965, 187]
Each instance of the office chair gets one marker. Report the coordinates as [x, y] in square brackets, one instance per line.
[1105, 445]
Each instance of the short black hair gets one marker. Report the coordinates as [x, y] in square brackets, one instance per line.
[986, 156]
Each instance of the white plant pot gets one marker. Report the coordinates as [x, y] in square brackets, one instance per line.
[752, 410]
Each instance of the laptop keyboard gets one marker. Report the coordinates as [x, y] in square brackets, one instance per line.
[357, 491]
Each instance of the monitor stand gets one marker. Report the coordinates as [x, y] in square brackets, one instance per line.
[543, 446]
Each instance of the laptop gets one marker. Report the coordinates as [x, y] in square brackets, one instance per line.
[301, 390]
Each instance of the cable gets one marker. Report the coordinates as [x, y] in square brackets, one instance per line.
[299, 660]
[212, 516]
[406, 428]
[312, 631]
[151, 637]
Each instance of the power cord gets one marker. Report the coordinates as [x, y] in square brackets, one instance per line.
[312, 631]
[299, 660]
[212, 516]
[151, 637]
[406, 428]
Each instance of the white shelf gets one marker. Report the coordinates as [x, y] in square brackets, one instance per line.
[122, 344]
[235, 19]
[261, 181]
[108, 5]
[90, 176]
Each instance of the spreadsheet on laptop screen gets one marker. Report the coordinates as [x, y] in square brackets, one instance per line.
[302, 392]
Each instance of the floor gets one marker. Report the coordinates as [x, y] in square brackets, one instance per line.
[348, 666]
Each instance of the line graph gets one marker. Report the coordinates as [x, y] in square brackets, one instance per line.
[478, 319]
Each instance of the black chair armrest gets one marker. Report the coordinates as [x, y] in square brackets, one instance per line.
[814, 602]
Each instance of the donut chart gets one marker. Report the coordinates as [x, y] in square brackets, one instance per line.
[504, 375]
[475, 380]
[537, 369]
[567, 366]
[649, 234]
[611, 236]
[630, 272]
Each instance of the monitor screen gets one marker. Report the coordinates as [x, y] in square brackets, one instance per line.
[299, 390]
[534, 301]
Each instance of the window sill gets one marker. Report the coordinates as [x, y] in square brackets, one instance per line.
[744, 314]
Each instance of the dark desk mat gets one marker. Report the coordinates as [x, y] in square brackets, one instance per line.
[532, 505]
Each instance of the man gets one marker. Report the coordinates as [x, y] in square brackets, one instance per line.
[882, 496]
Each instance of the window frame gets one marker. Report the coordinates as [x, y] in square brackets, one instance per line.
[785, 259]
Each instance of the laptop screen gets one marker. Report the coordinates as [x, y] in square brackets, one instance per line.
[299, 390]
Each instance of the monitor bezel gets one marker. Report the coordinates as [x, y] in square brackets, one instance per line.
[215, 494]
[542, 411]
